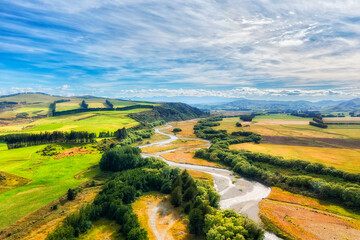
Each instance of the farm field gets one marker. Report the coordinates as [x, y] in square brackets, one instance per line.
[299, 217]
[344, 159]
[49, 177]
[91, 122]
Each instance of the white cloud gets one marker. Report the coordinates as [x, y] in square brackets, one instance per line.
[252, 43]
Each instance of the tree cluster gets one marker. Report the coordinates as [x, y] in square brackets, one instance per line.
[247, 118]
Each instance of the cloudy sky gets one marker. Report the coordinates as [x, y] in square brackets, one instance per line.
[133, 48]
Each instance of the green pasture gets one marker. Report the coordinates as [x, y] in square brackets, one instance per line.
[50, 179]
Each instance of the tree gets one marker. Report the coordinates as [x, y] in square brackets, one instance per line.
[176, 197]
[84, 104]
[71, 194]
[196, 221]
[121, 134]
[176, 130]
[238, 124]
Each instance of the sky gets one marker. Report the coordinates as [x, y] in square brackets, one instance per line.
[257, 49]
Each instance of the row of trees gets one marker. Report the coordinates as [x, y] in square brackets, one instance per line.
[30, 139]
[318, 122]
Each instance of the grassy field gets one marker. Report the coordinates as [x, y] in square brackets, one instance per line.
[344, 159]
[279, 117]
[299, 217]
[103, 229]
[91, 122]
[50, 178]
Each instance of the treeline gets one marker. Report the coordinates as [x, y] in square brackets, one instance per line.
[306, 114]
[203, 129]
[31, 139]
[81, 110]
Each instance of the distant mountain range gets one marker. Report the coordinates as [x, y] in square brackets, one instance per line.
[269, 105]
[351, 105]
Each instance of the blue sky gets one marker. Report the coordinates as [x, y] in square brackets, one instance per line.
[119, 48]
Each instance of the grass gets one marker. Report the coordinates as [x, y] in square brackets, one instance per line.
[182, 156]
[344, 159]
[180, 143]
[185, 126]
[50, 178]
[92, 122]
[294, 216]
[103, 229]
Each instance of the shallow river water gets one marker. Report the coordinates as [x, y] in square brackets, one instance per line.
[238, 194]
